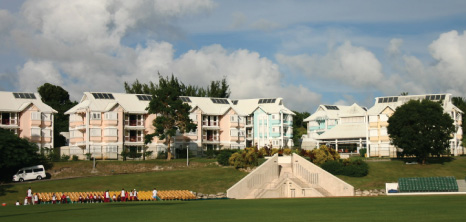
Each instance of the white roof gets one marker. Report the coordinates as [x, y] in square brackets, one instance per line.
[243, 107]
[11, 104]
[129, 102]
[335, 112]
[344, 131]
[393, 102]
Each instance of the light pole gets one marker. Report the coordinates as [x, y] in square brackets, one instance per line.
[187, 155]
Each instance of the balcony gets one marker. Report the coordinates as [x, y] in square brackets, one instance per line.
[134, 140]
[134, 124]
[210, 139]
[210, 124]
[10, 124]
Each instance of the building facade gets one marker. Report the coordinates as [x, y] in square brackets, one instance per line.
[28, 117]
[343, 128]
[102, 125]
[384, 107]
[350, 128]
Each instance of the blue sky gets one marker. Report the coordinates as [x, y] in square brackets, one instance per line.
[308, 52]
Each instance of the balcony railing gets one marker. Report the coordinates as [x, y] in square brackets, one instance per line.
[133, 139]
[133, 123]
[5, 122]
[210, 138]
[209, 123]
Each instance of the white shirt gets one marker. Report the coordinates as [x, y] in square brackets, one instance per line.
[107, 195]
[25, 201]
[36, 198]
[122, 193]
[29, 193]
[154, 193]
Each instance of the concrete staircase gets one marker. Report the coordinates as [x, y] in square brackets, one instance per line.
[278, 188]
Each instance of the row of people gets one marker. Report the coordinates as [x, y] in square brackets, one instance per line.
[87, 198]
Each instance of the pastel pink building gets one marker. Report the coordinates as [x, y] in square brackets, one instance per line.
[28, 117]
[102, 125]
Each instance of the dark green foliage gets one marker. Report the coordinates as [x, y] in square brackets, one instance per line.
[362, 152]
[217, 89]
[299, 127]
[16, 153]
[59, 99]
[348, 167]
[224, 156]
[244, 158]
[172, 113]
[334, 167]
[75, 158]
[421, 128]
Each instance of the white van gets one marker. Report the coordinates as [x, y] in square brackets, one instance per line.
[30, 173]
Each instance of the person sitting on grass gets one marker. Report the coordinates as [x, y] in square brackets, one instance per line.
[63, 199]
[135, 195]
[17, 203]
[80, 199]
[36, 199]
[26, 201]
[114, 198]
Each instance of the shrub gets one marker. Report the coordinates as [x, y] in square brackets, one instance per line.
[148, 153]
[287, 151]
[324, 154]
[363, 152]
[274, 151]
[161, 155]
[244, 158]
[348, 167]
[333, 167]
[64, 157]
[224, 156]
[75, 158]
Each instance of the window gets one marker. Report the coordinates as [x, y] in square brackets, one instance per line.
[275, 129]
[383, 131]
[383, 117]
[75, 134]
[35, 131]
[95, 116]
[96, 132]
[35, 115]
[233, 132]
[373, 132]
[275, 116]
[46, 117]
[47, 133]
[110, 132]
[75, 118]
[111, 149]
[111, 116]
[233, 118]
[96, 149]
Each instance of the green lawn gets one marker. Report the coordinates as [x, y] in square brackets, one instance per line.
[389, 171]
[204, 180]
[401, 208]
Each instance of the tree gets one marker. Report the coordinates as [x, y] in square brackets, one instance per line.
[404, 93]
[172, 113]
[217, 89]
[59, 99]
[421, 128]
[16, 153]
[299, 127]
[460, 102]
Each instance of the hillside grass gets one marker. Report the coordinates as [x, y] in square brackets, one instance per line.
[400, 208]
[389, 171]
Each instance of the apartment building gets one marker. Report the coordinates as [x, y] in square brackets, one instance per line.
[103, 124]
[350, 128]
[28, 117]
[384, 107]
[236, 124]
[343, 128]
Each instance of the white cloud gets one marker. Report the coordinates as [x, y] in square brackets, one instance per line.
[394, 47]
[347, 64]
[264, 25]
[33, 74]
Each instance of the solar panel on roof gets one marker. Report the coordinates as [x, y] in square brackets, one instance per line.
[111, 96]
[395, 99]
[273, 100]
[235, 102]
[390, 99]
[24, 95]
[442, 97]
[437, 97]
[103, 96]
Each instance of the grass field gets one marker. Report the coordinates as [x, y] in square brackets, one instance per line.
[402, 208]
[389, 171]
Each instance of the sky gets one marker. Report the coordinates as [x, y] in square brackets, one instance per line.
[335, 52]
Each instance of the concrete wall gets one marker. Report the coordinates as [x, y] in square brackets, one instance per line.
[262, 175]
[313, 174]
